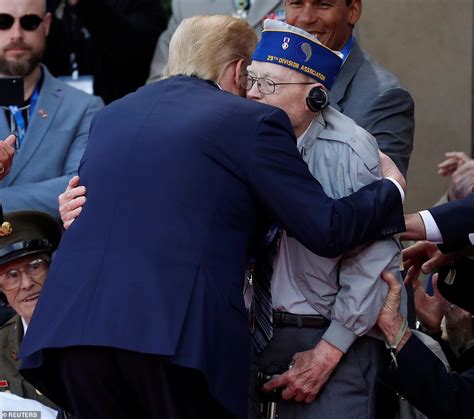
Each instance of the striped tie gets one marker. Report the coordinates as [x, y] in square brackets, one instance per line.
[262, 310]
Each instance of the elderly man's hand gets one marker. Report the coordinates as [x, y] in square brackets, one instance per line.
[309, 372]
[454, 160]
[461, 167]
[7, 150]
[71, 201]
[423, 256]
[389, 169]
[462, 181]
[390, 319]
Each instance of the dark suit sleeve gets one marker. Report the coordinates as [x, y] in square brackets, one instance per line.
[423, 380]
[460, 291]
[391, 121]
[455, 221]
[326, 226]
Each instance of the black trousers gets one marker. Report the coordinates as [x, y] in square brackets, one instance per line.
[110, 383]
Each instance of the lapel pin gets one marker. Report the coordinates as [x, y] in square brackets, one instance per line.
[5, 229]
[43, 113]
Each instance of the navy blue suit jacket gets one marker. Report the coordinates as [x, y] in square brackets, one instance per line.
[460, 290]
[455, 221]
[423, 380]
[178, 176]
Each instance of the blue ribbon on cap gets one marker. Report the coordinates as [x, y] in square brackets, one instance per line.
[300, 53]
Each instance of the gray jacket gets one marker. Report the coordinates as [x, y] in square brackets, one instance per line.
[347, 289]
[376, 100]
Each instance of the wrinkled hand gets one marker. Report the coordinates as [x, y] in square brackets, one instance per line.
[430, 310]
[310, 371]
[423, 256]
[391, 306]
[7, 150]
[454, 160]
[71, 201]
[462, 181]
[390, 319]
[389, 169]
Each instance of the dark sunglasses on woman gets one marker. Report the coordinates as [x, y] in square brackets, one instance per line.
[27, 22]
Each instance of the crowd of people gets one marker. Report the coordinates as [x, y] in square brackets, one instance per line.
[230, 240]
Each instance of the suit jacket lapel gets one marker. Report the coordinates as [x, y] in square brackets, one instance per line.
[349, 69]
[48, 103]
[259, 9]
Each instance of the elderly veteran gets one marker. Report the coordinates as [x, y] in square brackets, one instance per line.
[27, 240]
[322, 307]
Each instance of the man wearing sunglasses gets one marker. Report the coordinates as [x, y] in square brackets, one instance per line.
[27, 240]
[51, 125]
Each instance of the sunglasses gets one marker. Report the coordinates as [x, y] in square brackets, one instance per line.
[27, 22]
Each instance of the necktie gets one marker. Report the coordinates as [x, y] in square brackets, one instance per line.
[261, 310]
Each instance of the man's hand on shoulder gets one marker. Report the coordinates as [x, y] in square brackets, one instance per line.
[308, 373]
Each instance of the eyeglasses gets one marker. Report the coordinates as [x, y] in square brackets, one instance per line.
[36, 270]
[265, 85]
[27, 22]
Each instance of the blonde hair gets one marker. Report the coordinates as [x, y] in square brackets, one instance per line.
[203, 46]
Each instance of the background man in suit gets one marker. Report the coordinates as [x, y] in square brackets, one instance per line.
[186, 321]
[253, 12]
[321, 306]
[364, 90]
[53, 123]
